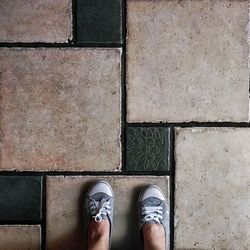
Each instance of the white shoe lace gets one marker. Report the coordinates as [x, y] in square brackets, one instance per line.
[98, 209]
[152, 213]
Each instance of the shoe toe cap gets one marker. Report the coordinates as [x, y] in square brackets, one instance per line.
[101, 187]
[152, 191]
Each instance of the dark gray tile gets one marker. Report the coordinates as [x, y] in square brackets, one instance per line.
[20, 198]
[147, 149]
[99, 21]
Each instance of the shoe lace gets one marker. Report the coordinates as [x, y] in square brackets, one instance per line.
[98, 209]
[152, 213]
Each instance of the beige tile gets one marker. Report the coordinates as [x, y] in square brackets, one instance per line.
[20, 237]
[212, 197]
[35, 21]
[60, 109]
[187, 61]
[65, 209]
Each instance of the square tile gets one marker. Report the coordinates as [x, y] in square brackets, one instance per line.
[99, 21]
[20, 198]
[35, 21]
[187, 61]
[60, 109]
[65, 209]
[212, 198]
[147, 149]
[17, 237]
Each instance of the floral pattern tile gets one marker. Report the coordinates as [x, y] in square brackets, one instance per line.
[147, 149]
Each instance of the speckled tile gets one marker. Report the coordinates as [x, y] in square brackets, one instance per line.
[99, 21]
[60, 109]
[35, 21]
[187, 61]
[212, 198]
[65, 209]
[20, 198]
[147, 149]
[20, 237]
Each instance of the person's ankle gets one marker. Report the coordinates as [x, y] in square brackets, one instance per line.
[98, 232]
[153, 236]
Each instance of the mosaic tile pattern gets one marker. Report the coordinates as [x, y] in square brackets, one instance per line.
[17, 237]
[35, 21]
[99, 21]
[77, 98]
[147, 149]
[20, 198]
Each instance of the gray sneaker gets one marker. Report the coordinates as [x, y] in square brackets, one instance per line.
[153, 208]
[99, 203]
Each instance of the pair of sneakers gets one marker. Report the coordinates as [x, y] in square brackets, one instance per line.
[152, 206]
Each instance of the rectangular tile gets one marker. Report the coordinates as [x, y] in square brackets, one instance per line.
[187, 61]
[212, 198]
[60, 109]
[65, 209]
[17, 237]
[35, 21]
[99, 21]
[20, 198]
[147, 149]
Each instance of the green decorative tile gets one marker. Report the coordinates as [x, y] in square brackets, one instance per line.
[99, 21]
[147, 149]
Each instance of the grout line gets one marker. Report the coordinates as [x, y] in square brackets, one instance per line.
[43, 224]
[172, 186]
[74, 21]
[123, 85]
[61, 45]
[192, 124]
[83, 173]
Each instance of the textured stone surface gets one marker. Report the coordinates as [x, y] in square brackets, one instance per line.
[99, 21]
[212, 188]
[187, 60]
[65, 210]
[20, 237]
[60, 109]
[20, 198]
[35, 21]
[147, 149]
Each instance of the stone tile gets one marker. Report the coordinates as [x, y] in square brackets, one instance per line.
[212, 195]
[99, 21]
[147, 149]
[187, 61]
[18, 237]
[20, 198]
[35, 21]
[64, 209]
[60, 109]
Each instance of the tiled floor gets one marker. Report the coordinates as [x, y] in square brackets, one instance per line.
[133, 92]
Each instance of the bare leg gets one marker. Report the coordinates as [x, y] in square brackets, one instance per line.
[98, 235]
[154, 237]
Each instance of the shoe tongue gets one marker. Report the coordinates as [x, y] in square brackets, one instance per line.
[100, 196]
[152, 201]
